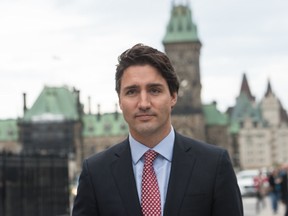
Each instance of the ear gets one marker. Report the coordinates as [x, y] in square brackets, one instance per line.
[119, 102]
[174, 97]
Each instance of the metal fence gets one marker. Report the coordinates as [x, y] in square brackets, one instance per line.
[34, 185]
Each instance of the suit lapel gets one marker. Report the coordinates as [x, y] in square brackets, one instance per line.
[181, 169]
[124, 177]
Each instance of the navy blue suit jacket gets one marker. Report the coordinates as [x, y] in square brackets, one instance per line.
[202, 183]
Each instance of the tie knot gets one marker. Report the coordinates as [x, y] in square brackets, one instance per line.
[150, 156]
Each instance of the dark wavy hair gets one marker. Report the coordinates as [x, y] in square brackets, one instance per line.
[141, 54]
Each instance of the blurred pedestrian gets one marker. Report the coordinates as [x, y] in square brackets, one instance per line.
[259, 184]
[274, 188]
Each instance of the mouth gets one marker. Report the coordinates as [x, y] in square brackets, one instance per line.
[144, 117]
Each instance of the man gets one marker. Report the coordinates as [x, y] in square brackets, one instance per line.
[185, 176]
[274, 189]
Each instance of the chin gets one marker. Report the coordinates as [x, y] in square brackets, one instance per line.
[145, 129]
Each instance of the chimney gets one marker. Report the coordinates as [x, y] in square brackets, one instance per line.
[24, 103]
[79, 105]
[98, 113]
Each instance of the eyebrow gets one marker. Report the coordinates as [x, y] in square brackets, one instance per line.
[149, 86]
[130, 87]
[155, 85]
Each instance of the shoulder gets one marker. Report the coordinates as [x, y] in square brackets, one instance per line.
[197, 146]
[208, 155]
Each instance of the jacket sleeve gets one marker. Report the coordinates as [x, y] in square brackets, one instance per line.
[85, 202]
[227, 199]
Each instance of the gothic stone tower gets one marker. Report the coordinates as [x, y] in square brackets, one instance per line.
[182, 45]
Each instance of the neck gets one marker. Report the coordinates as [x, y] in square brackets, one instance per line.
[151, 139]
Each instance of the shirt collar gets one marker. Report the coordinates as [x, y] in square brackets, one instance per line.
[164, 148]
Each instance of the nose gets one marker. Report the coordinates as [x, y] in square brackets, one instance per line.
[144, 101]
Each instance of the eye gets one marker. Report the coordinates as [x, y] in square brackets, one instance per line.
[131, 92]
[155, 91]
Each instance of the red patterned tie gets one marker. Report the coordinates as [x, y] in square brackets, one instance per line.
[151, 203]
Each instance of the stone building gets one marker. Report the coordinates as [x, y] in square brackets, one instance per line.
[276, 119]
[53, 125]
[261, 129]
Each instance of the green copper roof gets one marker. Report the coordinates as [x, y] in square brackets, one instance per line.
[234, 127]
[181, 27]
[244, 108]
[109, 124]
[213, 116]
[8, 130]
[54, 104]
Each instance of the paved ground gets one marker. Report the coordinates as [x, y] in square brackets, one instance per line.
[265, 208]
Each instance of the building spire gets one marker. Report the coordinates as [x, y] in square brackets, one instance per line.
[246, 89]
[269, 89]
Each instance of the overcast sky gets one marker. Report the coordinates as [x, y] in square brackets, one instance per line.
[77, 42]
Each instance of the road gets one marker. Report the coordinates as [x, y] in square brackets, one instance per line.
[249, 204]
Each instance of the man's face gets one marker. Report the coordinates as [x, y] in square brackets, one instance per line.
[146, 102]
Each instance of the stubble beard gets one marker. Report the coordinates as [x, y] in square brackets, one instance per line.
[148, 130]
[145, 129]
